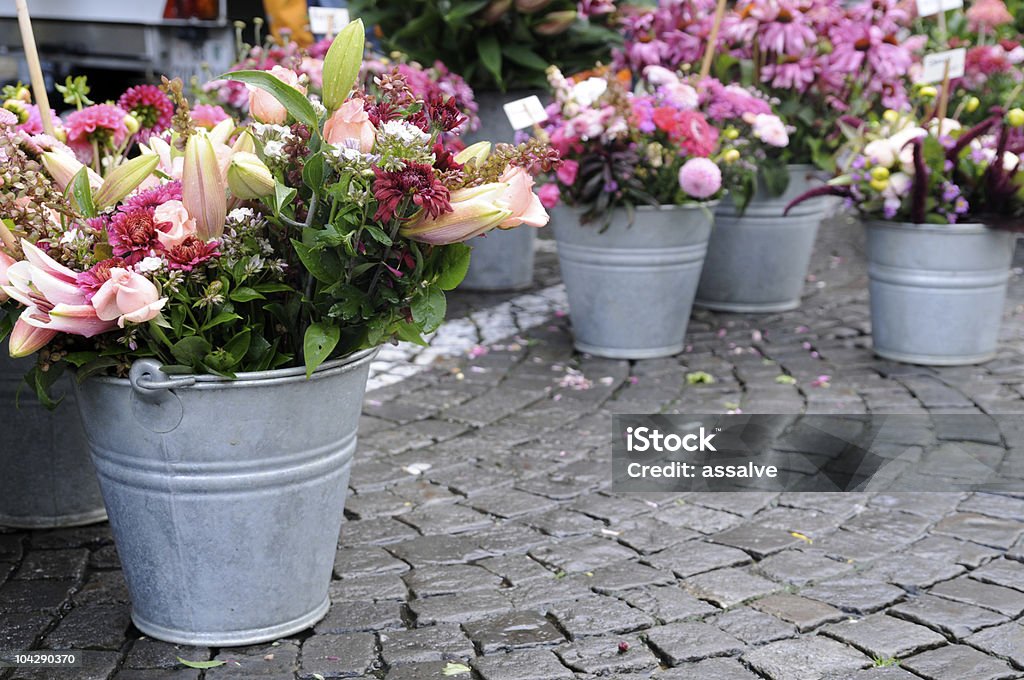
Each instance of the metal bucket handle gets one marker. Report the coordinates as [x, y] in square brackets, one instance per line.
[144, 370]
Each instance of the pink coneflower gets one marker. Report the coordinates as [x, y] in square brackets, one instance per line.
[191, 253]
[207, 115]
[784, 30]
[416, 181]
[100, 123]
[150, 106]
[988, 14]
[91, 280]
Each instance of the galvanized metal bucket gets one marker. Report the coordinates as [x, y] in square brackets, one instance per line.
[937, 291]
[631, 288]
[226, 496]
[758, 261]
[502, 259]
[47, 479]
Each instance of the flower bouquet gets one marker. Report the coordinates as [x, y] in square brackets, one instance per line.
[221, 296]
[642, 166]
[940, 202]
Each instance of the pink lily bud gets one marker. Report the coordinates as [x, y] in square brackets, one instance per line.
[5, 262]
[203, 190]
[26, 339]
[264, 107]
[556, 23]
[494, 11]
[528, 6]
[474, 211]
[63, 167]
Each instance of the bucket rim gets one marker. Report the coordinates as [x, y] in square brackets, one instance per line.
[957, 228]
[345, 364]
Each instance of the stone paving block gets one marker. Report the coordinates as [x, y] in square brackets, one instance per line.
[853, 547]
[754, 627]
[626, 576]
[516, 569]
[103, 587]
[561, 523]
[610, 508]
[679, 643]
[667, 604]
[757, 540]
[96, 665]
[1006, 641]
[431, 550]
[509, 538]
[990, 531]
[419, 671]
[933, 505]
[729, 587]
[366, 561]
[274, 660]
[690, 559]
[450, 579]
[148, 653]
[358, 617]
[105, 557]
[648, 535]
[912, 571]
[598, 616]
[608, 656]
[510, 503]
[953, 551]
[802, 567]
[100, 626]
[709, 669]
[745, 504]
[997, 598]
[76, 537]
[156, 674]
[958, 662]
[884, 673]
[951, 618]
[888, 527]
[421, 645]
[515, 630]
[1007, 573]
[460, 608]
[811, 658]
[995, 505]
[446, 518]
[805, 614]
[582, 555]
[543, 594]
[369, 589]
[855, 594]
[20, 630]
[53, 564]
[524, 665]
[338, 656]
[885, 637]
[698, 518]
[34, 596]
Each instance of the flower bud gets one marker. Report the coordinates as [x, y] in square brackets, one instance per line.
[890, 116]
[731, 133]
[494, 11]
[18, 108]
[24, 94]
[1015, 117]
[879, 173]
[131, 123]
[972, 104]
[928, 92]
[879, 185]
[731, 156]
[529, 6]
[556, 23]
[475, 152]
[249, 177]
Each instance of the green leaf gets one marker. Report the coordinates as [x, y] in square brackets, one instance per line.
[324, 265]
[227, 358]
[42, 381]
[201, 665]
[77, 359]
[524, 56]
[378, 234]
[272, 287]
[489, 51]
[245, 294]
[428, 309]
[222, 318]
[282, 198]
[292, 100]
[191, 350]
[320, 340]
[456, 264]
[342, 63]
[97, 365]
[461, 10]
[124, 179]
[313, 172]
[82, 192]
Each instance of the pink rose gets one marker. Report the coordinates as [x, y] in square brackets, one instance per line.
[264, 107]
[173, 224]
[567, 172]
[549, 195]
[127, 297]
[700, 178]
[350, 121]
[525, 205]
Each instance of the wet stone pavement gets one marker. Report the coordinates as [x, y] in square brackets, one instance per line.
[483, 541]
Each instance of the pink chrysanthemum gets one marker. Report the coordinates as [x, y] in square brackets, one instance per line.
[150, 106]
[157, 196]
[416, 181]
[700, 178]
[101, 123]
[191, 253]
[207, 115]
[132, 233]
[91, 280]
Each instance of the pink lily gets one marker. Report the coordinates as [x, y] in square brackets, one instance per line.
[5, 262]
[203, 187]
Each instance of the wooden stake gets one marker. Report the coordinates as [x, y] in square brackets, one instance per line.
[35, 70]
[943, 98]
[709, 51]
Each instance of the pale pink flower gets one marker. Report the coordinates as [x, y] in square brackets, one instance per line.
[264, 107]
[700, 178]
[173, 224]
[127, 297]
[525, 205]
[351, 121]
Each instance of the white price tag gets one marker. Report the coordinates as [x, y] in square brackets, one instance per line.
[935, 65]
[327, 20]
[524, 113]
[926, 8]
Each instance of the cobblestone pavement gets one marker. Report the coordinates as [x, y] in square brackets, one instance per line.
[509, 556]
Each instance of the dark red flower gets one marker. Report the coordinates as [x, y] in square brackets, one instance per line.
[380, 112]
[191, 253]
[444, 160]
[416, 181]
[132, 233]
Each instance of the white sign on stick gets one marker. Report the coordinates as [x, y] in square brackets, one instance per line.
[935, 65]
[926, 8]
[327, 20]
[524, 113]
